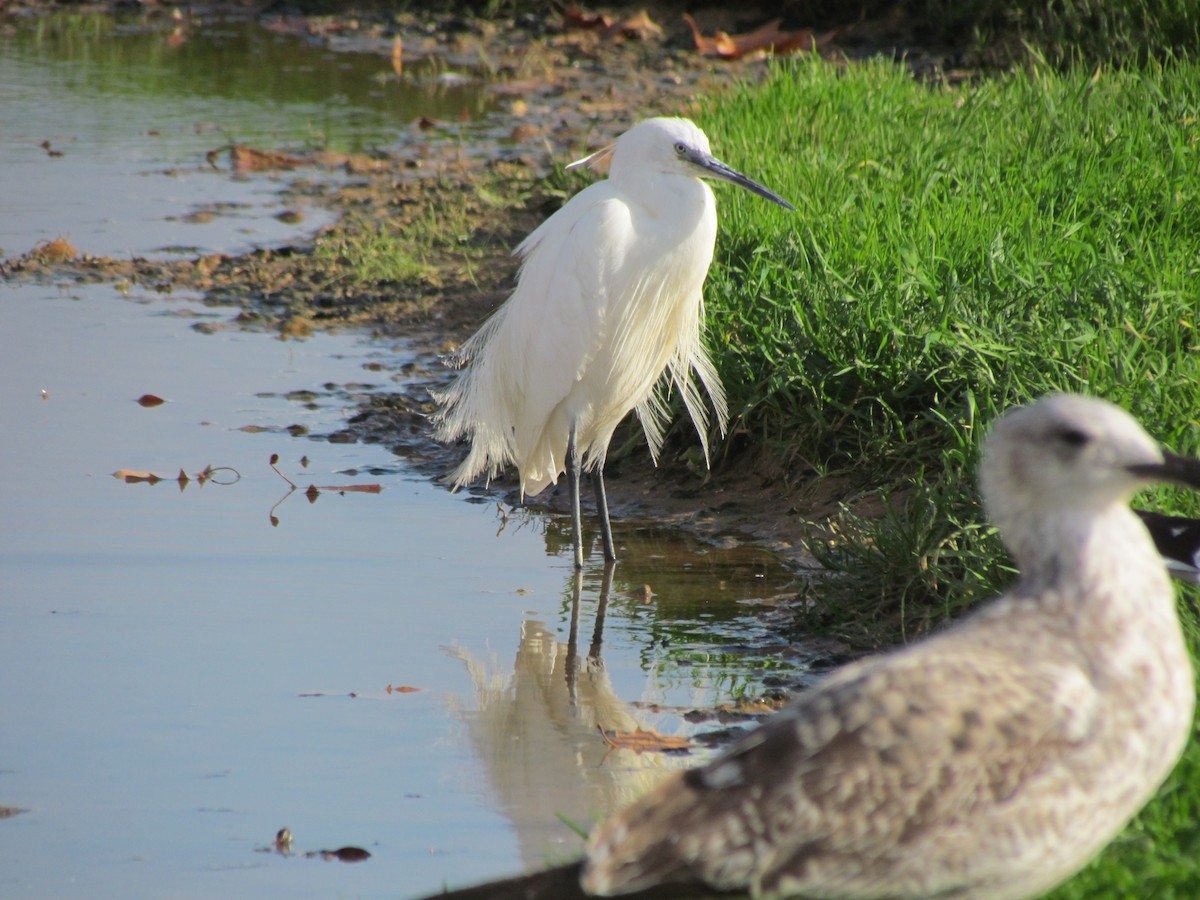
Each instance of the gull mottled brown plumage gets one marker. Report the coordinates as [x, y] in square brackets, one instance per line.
[992, 760]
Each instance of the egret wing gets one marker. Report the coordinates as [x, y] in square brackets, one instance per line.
[553, 326]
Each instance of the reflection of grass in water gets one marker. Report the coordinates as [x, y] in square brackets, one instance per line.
[262, 87]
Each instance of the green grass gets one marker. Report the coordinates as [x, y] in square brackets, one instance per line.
[955, 252]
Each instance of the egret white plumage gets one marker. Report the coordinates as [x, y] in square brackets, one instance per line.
[607, 308]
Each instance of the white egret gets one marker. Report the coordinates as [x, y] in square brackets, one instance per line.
[607, 306]
[993, 759]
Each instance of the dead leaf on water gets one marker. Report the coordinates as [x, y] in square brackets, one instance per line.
[342, 854]
[283, 846]
[150, 400]
[251, 159]
[643, 741]
[402, 689]
[129, 476]
[372, 488]
[223, 475]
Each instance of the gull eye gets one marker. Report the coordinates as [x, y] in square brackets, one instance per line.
[681, 148]
[1073, 437]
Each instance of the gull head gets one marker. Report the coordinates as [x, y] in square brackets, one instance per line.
[1067, 456]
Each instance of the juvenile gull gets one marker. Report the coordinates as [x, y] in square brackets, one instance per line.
[992, 760]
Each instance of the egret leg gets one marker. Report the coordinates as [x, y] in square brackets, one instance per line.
[573, 473]
[610, 551]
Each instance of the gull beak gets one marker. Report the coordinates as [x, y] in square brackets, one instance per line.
[714, 168]
[1183, 470]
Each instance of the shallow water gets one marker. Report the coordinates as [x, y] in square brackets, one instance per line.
[106, 124]
[184, 671]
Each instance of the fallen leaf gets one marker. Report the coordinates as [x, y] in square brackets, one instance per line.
[346, 854]
[766, 37]
[149, 400]
[639, 25]
[641, 741]
[574, 17]
[372, 488]
[402, 689]
[129, 476]
[397, 55]
[249, 159]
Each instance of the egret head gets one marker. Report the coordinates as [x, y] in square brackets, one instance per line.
[671, 147]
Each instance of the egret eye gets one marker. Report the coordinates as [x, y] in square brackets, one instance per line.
[681, 149]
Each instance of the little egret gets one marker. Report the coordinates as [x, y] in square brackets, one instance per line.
[607, 305]
[993, 759]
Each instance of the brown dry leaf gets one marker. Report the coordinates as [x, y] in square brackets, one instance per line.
[373, 488]
[129, 476]
[402, 689]
[642, 741]
[248, 159]
[149, 400]
[574, 17]
[398, 55]
[766, 37]
[346, 854]
[312, 493]
[638, 26]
